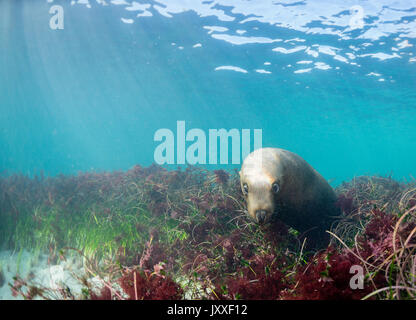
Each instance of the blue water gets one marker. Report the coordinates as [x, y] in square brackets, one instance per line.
[92, 95]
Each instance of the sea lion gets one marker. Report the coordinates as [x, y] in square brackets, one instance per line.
[277, 183]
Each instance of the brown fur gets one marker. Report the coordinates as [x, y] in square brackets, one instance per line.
[305, 200]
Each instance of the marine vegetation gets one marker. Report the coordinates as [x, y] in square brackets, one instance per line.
[152, 233]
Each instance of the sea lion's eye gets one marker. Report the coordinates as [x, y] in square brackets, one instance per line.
[275, 187]
[245, 188]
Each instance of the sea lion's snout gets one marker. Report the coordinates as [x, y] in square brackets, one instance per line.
[260, 202]
[261, 216]
[260, 188]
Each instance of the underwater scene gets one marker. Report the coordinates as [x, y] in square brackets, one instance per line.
[207, 150]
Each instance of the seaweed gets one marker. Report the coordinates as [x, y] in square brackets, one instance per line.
[149, 286]
[141, 285]
[260, 278]
[152, 233]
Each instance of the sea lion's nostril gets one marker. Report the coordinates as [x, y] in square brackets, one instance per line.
[260, 216]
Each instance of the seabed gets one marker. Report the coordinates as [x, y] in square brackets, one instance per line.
[150, 233]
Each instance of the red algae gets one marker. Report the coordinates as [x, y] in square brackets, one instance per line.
[190, 224]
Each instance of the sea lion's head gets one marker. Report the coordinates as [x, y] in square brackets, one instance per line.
[261, 182]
